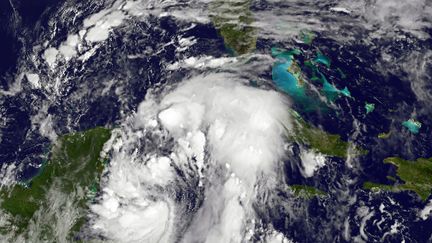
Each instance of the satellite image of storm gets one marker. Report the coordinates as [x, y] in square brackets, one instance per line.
[215, 121]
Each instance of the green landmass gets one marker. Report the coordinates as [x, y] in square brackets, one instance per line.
[321, 141]
[416, 177]
[283, 53]
[233, 20]
[296, 71]
[376, 186]
[306, 192]
[384, 135]
[307, 36]
[68, 179]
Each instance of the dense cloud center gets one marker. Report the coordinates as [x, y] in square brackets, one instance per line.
[217, 123]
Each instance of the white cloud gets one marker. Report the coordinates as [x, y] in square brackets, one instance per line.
[34, 79]
[229, 134]
[426, 211]
[7, 175]
[102, 27]
[44, 123]
[50, 56]
[311, 162]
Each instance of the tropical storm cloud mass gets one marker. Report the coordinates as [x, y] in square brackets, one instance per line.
[215, 121]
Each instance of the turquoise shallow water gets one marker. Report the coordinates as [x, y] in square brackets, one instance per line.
[412, 125]
[290, 82]
[323, 60]
[286, 81]
[331, 92]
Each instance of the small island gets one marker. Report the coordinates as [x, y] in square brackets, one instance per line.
[306, 192]
[412, 125]
[369, 107]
